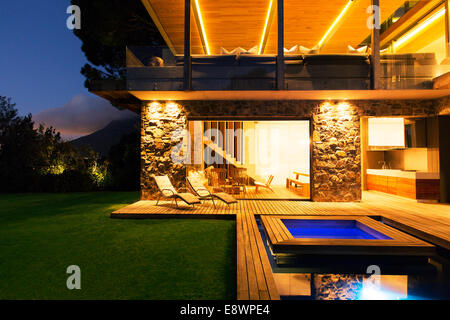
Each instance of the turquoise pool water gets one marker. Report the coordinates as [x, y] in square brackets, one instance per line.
[331, 229]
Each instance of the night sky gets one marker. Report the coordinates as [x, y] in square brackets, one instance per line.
[40, 62]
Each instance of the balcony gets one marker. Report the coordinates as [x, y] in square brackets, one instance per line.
[246, 72]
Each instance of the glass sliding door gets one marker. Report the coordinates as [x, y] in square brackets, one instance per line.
[252, 159]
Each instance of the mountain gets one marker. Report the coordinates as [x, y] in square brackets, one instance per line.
[102, 140]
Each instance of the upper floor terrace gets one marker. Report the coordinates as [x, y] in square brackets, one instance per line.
[291, 45]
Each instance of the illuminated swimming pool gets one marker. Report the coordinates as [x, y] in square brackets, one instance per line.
[339, 235]
[331, 229]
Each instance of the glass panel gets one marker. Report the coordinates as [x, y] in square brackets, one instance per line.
[414, 47]
[252, 159]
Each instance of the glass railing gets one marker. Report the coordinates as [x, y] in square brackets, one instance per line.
[158, 69]
[410, 70]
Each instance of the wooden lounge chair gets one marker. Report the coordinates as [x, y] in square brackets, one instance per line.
[264, 185]
[167, 190]
[197, 187]
[301, 180]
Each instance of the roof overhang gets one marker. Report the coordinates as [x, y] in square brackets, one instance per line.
[292, 95]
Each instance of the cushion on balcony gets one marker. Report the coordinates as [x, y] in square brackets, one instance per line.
[233, 52]
[364, 49]
[253, 50]
[239, 51]
[305, 50]
[293, 50]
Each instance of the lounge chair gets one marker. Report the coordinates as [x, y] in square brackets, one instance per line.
[197, 187]
[264, 185]
[167, 190]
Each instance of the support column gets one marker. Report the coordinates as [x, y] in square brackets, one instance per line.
[280, 56]
[376, 67]
[187, 45]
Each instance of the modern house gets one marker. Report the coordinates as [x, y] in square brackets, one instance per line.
[310, 99]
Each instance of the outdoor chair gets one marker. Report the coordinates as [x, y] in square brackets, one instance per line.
[197, 187]
[167, 190]
[264, 185]
[239, 177]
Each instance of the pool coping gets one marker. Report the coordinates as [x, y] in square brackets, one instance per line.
[401, 243]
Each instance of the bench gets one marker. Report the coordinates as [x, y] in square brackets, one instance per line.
[301, 180]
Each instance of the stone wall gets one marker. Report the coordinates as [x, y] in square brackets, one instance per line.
[336, 150]
[162, 126]
[336, 146]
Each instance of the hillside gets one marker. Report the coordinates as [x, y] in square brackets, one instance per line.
[102, 140]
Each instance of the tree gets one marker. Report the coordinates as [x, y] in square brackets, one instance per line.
[18, 147]
[107, 28]
[38, 160]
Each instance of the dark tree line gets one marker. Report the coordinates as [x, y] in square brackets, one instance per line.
[107, 28]
[38, 160]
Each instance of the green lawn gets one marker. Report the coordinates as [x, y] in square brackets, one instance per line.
[42, 234]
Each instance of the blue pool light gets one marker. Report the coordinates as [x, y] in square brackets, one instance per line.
[331, 229]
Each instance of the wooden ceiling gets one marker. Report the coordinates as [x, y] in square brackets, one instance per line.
[170, 16]
[305, 22]
[233, 23]
[353, 29]
[240, 23]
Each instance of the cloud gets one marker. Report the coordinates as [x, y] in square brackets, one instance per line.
[81, 116]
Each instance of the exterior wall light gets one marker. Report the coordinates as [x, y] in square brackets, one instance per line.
[154, 109]
[173, 109]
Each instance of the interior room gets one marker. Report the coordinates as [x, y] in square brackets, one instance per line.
[401, 156]
[253, 159]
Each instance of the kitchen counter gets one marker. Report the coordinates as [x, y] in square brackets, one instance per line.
[411, 184]
[421, 175]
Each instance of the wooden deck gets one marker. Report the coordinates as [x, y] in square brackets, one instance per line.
[429, 222]
[280, 193]
[254, 274]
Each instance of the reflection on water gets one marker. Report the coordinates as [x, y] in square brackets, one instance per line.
[341, 286]
[325, 278]
[337, 286]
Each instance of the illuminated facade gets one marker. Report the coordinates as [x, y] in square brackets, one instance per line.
[285, 88]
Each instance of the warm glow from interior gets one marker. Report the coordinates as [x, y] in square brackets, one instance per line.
[266, 27]
[340, 16]
[387, 132]
[202, 27]
[276, 148]
[421, 27]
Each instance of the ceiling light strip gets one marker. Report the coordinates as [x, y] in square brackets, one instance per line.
[335, 23]
[201, 27]
[268, 23]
